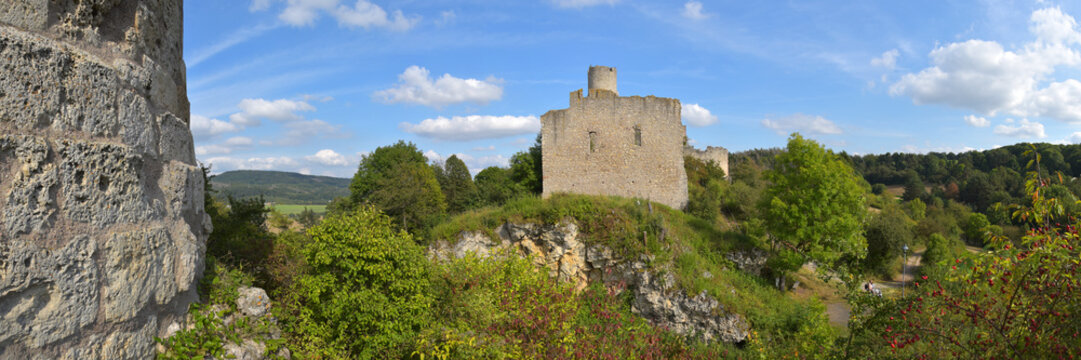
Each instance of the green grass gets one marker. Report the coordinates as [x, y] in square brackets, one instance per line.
[293, 209]
[682, 244]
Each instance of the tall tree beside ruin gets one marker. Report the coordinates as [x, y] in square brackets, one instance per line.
[814, 205]
[397, 180]
[527, 169]
[457, 185]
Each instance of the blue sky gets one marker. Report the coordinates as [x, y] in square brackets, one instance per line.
[312, 85]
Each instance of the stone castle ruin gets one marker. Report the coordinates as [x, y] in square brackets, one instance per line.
[102, 228]
[630, 146]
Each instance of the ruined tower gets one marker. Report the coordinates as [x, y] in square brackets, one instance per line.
[606, 144]
[602, 78]
[102, 228]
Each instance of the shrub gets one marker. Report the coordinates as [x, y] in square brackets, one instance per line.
[886, 233]
[366, 291]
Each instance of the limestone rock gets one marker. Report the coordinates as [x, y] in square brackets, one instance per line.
[252, 301]
[102, 228]
[750, 261]
[655, 297]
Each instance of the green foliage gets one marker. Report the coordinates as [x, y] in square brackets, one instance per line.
[240, 237]
[366, 291]
[618, 223]
[814, 203]
[1013, 302]
[501, 307]
[280, 187]
[526, 168]
[209, 331]
[220, 281]
[307, 218]
[916, 209]
[495, 187]
[878, 189]
[397, 180]
[204, 339]
[457, 185]
[705, 185]
[913, 186]
[975, 228]
[886, 233]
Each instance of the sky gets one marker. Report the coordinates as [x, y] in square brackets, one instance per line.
[311, 86]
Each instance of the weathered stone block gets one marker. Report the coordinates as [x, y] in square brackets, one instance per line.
[102, 228]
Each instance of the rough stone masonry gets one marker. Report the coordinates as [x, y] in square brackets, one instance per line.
[102, 228]
[630, 146]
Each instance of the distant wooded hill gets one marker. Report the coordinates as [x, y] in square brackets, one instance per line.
[279, 187]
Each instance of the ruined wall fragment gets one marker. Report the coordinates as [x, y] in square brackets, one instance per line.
[102, 228]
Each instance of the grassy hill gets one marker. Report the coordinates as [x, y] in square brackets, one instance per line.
[280, 187]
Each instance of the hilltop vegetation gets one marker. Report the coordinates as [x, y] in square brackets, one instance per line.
[799, 206]
[279, 187]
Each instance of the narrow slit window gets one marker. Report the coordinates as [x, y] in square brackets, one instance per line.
[637, 135]
[592, 141]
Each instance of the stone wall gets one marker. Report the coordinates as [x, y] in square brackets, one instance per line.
[102, 228]
[606, 144]
[716, 154]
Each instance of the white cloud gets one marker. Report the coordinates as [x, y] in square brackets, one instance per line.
[802, 123]
[977, 121]
[299, 132]
[693, 10]
[983, 76]
[473, 127]
[281, 110]
[240, 36]
[226, 163]
[367, 15]
[1024, 129]
[227, 147]
[239, 141]
[202, 126]
[888, 60]
[1060, 100]
[446, 17]
[361, 14]
[484, 148]
[328, 157]
[311, 97]
[696, 115]
[416, 87]
[927, 148]
[582, 3]
[1075, 138]
[259, 5]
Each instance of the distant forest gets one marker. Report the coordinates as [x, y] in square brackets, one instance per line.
[977, 178]
[279, 187]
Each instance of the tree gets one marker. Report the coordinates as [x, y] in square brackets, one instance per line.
[366, 291]
[397, 180]
[457, 185]
[814, 204]
[886, 233]
[526, 168]
[1017, 301]
[976, 228]
[913, 186]
[705, 182]
[494, 186]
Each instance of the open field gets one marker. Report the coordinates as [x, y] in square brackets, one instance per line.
[293, 209]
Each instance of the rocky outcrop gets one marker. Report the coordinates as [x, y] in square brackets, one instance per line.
[102, 228]
[656, 295]
[750, 261]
